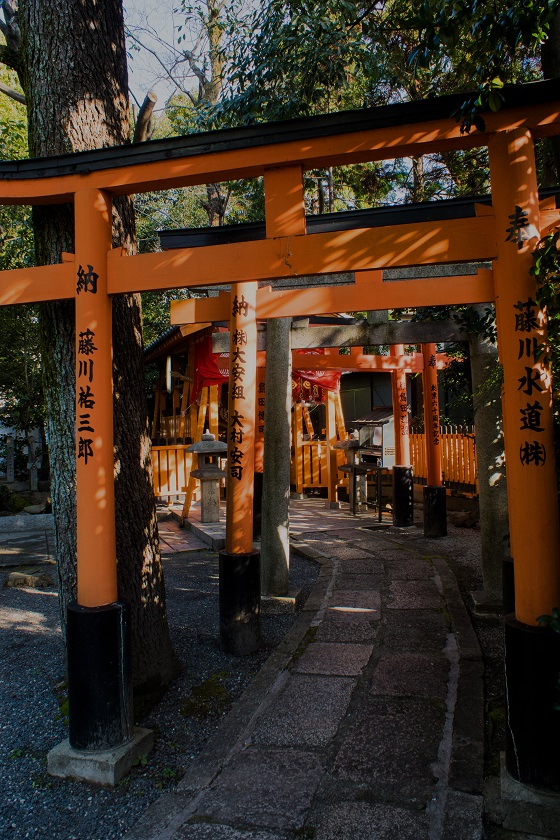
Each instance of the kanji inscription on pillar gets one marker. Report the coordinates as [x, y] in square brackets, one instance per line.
[533, 382]
[241, 419]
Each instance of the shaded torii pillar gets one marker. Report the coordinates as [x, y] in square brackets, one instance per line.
[239, 571]
[532, 654]
[435, 520]
[403, 488]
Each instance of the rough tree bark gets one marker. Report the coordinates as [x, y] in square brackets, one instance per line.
[72, 68]
[492, 485]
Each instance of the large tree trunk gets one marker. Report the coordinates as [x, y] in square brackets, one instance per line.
[75, 80]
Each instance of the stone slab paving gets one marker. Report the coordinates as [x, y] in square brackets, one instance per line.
[308, 712]
[351, 821]
[334, 659]
[268, 788]
[367, 721]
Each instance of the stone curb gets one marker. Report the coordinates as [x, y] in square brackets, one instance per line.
[165, 816]
[26, 522]
[466, 774]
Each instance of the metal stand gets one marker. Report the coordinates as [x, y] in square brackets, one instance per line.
[403, 497]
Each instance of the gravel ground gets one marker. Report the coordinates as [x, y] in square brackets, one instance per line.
[36, 805]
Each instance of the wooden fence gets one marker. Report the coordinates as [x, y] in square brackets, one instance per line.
[458, 453]
[172, 465]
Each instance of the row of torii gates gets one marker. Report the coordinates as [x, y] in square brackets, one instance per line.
[280, 153]
[194, 408]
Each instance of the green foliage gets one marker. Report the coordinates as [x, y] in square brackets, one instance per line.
[504, 39]
[11, 502]
[552, 621]
[21, 393]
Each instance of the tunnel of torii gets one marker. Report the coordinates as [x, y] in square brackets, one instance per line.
[503, 233]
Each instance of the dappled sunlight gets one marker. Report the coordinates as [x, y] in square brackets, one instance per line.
[27, 621]
[353, 610]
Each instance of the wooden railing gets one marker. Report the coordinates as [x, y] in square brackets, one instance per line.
[458, 454]
[172, 465]
[313, 466]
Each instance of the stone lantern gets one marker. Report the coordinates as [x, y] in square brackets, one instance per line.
[357, 487]
[208, 471]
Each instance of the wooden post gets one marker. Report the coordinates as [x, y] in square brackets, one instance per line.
[98, 627]
[431, 417]
[298, 448]
[527, 395]
[97, 563]
[241, 419]
[400, 410]
[531, 654]
[240, 628]
[332, 461]
[403, 490]
[259, 420]
[435, 520]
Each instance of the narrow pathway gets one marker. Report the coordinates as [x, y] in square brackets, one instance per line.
[365, 723]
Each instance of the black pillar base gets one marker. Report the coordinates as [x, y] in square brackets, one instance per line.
[403, 497]
[435, 512]
[99, 676]
[257, 505]
[532, 659]
[240, 603]
[508, 585]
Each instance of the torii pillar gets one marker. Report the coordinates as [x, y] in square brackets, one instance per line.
[435, 520]
[403, 489]
[103, 743]
[240, 588]
[532, 653]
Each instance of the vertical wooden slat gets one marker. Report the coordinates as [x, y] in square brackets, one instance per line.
[298, 447]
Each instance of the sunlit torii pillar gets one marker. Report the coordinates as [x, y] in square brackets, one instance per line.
[102, 741]
[240, 619]
[435, 521]
[403, 490]
[532, 653]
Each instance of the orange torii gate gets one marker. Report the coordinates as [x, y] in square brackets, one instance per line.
[280, 152]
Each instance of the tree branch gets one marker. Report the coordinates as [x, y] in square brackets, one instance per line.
[10, 58]
[9, 26]
[13, 94]
[143, 127]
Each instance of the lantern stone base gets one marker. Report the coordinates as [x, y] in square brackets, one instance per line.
[105, 767]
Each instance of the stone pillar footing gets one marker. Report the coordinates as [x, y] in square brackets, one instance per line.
[532, 655]
[403, 497]
[435, 512]
[240, 603]
[105, 767]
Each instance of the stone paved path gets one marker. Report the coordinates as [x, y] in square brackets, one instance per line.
[365, 723]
